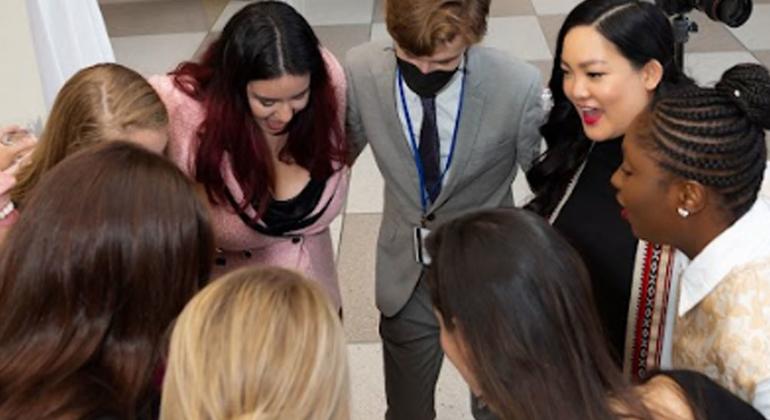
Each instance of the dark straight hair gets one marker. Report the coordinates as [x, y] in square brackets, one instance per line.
[641, 32]
[111, 245]
[265, 40]
[521, 299]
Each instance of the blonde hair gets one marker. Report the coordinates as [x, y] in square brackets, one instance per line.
[258, 343]
[99, 103]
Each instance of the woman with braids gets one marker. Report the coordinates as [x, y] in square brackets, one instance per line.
[612, 57]
[690, 177]
[257, 123]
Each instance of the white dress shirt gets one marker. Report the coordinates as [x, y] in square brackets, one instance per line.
[447, 101]
[747, 240]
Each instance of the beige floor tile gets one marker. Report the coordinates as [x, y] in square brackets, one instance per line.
[102, 2]
[711, 36]
[157, 17]
[368, 386]
[511, 8]
[754, 33]
[355, 265]
[379, 11]
[366, 185]
[379, 32]
[337, 12]
[213, 9]
[521, 192]
[763, 57]
[545, 67]
[204, 45]
[550, 26]
[766, 180]
[554, 7]
[317, 12]
[156, 54]
[707, 68]
[230, 9]
[367, 381]
[518, 35]
[340, 38]
[335, 228]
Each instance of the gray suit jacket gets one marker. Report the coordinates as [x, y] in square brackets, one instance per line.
[498, 131]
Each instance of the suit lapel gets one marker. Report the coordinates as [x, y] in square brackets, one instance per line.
[470, 123]
[385, 74]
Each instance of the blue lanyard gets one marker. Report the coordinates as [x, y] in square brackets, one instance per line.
[413, 142]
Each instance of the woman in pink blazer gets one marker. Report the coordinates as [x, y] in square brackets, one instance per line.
[258, 123]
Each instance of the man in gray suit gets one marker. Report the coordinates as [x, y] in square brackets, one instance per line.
[449, 123]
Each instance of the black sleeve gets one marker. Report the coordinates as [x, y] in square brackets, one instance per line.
[709, 400]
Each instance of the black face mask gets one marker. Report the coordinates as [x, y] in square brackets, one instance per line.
[425, 85]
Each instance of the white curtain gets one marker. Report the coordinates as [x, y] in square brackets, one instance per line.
[68, 36]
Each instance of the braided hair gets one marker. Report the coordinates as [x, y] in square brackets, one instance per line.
[715, 135]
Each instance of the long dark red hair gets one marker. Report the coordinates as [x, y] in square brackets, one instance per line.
[263, 41]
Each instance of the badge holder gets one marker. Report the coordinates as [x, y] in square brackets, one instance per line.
[420, 253]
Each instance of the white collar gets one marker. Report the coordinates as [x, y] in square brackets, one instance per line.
[746, 240]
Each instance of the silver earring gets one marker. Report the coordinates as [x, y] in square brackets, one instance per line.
[683, 212]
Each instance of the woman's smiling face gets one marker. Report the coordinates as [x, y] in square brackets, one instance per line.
[607, 91]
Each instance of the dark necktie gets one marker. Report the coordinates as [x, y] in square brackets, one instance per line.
[429, 148]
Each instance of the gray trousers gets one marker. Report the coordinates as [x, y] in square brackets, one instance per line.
[412, 357]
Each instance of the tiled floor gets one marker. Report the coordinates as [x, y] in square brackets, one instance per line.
[152, 36]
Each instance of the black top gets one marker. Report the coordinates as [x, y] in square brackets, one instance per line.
[283, 216]
[710, 400]
[591, 222]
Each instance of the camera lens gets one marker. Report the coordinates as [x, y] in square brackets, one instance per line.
[733, 13]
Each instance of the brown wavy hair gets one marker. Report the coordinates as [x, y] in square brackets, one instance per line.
[99, 103]
[420, 26]
[112, 243]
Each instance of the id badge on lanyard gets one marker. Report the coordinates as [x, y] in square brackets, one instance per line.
[420, 233]
[420, 253]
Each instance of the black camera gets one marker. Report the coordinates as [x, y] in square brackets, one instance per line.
[733, 13]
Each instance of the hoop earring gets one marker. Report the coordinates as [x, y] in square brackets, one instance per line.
[683, 212]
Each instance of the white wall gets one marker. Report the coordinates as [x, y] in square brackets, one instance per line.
[21, 95]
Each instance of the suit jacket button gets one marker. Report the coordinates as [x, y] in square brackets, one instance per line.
[431, 217]
[295, 240]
